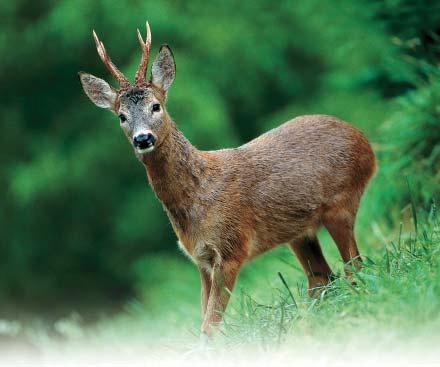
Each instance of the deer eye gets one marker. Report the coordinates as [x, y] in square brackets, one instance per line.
[122, 117]
[156, 107]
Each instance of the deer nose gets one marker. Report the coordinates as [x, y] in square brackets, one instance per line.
[144, 141]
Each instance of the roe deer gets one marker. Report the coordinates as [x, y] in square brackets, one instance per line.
[230, 205]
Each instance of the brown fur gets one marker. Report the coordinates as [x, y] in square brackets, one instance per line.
[231, 205]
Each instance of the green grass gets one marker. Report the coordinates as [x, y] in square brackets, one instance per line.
[396, 300]
[397, 290]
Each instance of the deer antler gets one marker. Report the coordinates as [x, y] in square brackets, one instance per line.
[122, 80]
[139, 77]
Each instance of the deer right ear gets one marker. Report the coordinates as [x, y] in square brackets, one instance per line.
[98, 90]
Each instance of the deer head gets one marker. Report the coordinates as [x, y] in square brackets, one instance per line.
[140, 106]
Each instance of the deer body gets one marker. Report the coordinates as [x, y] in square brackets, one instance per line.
[238, 203]
[228, 206]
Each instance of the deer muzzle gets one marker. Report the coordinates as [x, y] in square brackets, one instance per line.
[144, 142]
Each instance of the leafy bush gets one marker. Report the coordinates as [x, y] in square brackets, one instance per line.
[413, 144]
[409, 141]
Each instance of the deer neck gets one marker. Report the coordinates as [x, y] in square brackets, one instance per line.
[175, 171]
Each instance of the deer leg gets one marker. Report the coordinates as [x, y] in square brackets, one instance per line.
[222, 282]
[340, 225]
[205, 289]
[310, 256]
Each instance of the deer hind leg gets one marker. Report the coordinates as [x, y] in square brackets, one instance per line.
[340, 224]
[310, 256]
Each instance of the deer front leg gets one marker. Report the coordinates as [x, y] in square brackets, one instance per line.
[223, 278]
[205, 278]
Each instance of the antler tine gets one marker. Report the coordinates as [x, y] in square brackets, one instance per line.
[102, 52]
[145, 46]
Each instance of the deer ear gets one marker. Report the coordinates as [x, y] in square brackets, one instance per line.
[98, 90]
[163, 70]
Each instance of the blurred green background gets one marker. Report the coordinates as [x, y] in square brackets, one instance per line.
[81, 229]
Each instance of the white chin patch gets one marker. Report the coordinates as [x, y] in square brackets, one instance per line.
[146, 150]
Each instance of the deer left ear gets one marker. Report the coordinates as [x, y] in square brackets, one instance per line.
[98, 90]
[163, 70]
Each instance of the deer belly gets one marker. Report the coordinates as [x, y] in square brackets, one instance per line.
[204, 256]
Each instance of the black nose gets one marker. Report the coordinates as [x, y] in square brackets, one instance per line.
[144, 141]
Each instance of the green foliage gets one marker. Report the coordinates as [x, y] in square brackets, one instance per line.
[412, 140]
[409, 140]
[414, 26]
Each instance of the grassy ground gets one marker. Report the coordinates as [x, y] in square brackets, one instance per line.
[394, 307]
[391, 316]
[398, 290]
[397, 296]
